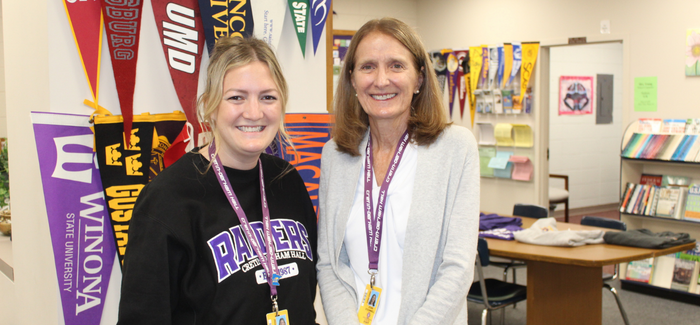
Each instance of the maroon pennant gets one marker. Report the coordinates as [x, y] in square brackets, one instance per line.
[462, 86]
[181, 32]
[123, 25]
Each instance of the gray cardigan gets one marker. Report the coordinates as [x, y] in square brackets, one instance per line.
[441, 234]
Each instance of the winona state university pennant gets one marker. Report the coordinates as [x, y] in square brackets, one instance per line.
[182, 35]
[85, 18]
[81, 234]
[123, 26]
[126, 169]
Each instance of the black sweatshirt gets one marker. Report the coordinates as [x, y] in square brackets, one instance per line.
[188, 260]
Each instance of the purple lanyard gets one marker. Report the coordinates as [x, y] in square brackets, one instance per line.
[268, 262]
[374, 219]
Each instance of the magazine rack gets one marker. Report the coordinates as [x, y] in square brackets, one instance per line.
[631, 170]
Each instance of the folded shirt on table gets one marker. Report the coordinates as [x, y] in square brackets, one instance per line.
[647, 239]
[500, 233]
[493, 221]
[544, 232]
[495, 226]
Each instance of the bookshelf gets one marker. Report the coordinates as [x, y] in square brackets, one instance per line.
[631, 170]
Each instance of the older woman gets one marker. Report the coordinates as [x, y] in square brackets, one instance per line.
[399, 192]
[227, 234]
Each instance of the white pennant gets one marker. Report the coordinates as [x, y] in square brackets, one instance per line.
[268, 16]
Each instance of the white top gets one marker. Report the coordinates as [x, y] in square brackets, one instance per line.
[398, 204]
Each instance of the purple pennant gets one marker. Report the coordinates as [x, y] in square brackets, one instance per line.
[319, 13]
[81, 235]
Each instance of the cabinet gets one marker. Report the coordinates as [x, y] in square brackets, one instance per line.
[631, 170]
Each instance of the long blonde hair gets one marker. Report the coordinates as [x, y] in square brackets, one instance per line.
[230, 53]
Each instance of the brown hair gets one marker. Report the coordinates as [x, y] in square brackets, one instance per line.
[230, 53]
[428, 118]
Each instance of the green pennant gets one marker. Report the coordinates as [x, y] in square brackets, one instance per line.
[300, 19]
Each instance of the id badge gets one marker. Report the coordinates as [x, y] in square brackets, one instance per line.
[370, 302]
[278, 318]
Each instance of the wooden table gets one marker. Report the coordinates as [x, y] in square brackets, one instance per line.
[564, 284]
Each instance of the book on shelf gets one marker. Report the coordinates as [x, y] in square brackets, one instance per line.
[692, 255]
[649, 125]
[670, 202]
[651, 179]
[662, 272]
[626, 196]
[683, 270]
[692, 203]
[673, 126]
[692, 126]
[640, 271]
[633, 199]
[650, 201]
[674, 180]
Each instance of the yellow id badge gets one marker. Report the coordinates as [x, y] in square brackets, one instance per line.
[279, 318]
[370, 301]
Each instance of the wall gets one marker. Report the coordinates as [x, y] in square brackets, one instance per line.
[43, 73]
[588, 152]
[351, 15]
[653, 35]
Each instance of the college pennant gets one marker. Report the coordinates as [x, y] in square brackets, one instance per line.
[299, 9]
[452, 75]
[224, 18]
[501, 68]
[81, 234]
[529, 58]
[182, 36]
[269, 17]
[462, 78]
[126, 168]
[507, 63]
[319, 13]
[440, 67]
[123, 25]
[85, 18]
[474, 72]
[515, 77]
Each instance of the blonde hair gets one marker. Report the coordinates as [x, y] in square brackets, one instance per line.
[428, 117]
[230, 53]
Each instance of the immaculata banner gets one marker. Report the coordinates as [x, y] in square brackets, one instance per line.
[123, 27]
[81, 233]
[126, 169]
[309, 132]
[85, 18]
[319, 13]
[181, 32]
[224, 18]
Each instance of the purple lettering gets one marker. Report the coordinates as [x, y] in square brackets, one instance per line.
[222, 250]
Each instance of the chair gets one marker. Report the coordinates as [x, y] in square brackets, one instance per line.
[559, 195]
[521, 210]
[610, 224]
[492, 293]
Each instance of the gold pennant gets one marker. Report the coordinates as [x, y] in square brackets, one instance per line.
[529, 57]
